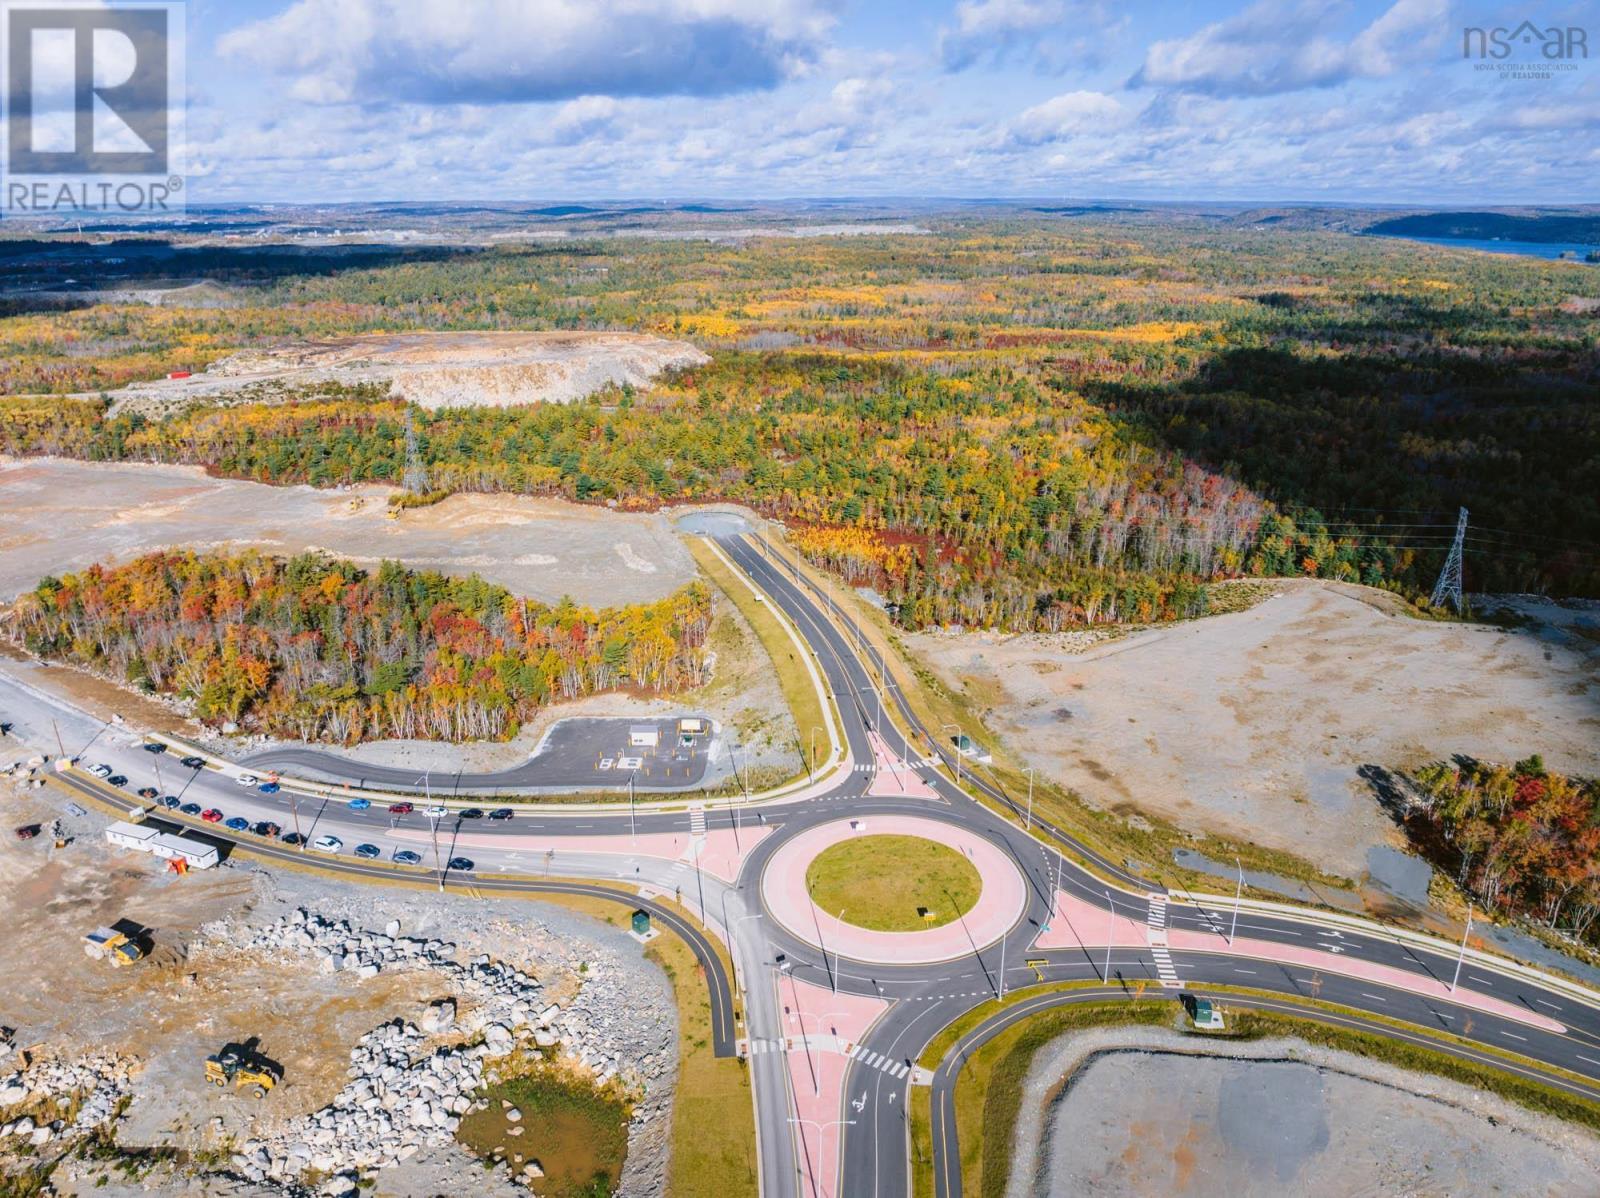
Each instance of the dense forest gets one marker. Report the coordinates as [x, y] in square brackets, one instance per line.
[1519, 839]
[1023, 425]
[314, 648]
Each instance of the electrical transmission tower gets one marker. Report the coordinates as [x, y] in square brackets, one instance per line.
[1448, 588]
[415, 475]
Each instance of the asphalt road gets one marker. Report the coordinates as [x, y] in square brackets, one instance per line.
[923, 999]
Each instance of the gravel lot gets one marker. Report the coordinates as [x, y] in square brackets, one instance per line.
[1138, 1114]
[1254, 724]
[65, 515]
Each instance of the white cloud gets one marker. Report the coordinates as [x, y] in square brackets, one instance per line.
[1050, 34]
[1275, 47]
[508, 51]
[1067, 116]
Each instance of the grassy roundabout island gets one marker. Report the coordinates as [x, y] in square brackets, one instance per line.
[886, 883]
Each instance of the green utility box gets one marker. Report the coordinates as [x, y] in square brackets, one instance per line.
[641, 923]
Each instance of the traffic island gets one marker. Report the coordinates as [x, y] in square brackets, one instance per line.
[892, 865]
[893, 883]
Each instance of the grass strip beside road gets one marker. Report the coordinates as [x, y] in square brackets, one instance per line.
[988, 1091]
[713, 1116]
[794, 679]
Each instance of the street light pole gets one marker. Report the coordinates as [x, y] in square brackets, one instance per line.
[1237, 891]
[1028, 824]
[1111, 934]
[1463, 954]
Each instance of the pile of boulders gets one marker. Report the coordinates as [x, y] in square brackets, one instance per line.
[50, 1086]
[408, 1090]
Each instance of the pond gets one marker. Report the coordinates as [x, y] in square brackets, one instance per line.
[577, 1135]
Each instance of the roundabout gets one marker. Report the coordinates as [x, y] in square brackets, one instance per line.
[924, 890]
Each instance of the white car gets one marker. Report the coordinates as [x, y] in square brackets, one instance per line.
[327, 844]
[101, 771]
[436, 812]
[247, 780]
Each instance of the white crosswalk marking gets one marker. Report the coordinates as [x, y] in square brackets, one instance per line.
[1156, 921]
[697, 822]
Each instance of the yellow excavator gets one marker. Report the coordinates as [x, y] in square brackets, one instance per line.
[242, 1068]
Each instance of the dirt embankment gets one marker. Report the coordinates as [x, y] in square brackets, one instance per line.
[1255, 724]
[433, 370]
[65, 515]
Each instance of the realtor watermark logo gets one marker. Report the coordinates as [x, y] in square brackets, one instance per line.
[94, 95]
[1526, 51]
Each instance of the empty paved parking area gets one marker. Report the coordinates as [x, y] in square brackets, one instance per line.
[606, 752]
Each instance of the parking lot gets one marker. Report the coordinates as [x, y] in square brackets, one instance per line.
[606, 752]
[582, 753]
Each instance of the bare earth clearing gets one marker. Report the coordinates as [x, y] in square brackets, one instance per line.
[63, 515]
[434, 370]
[1274, 1117]
[1255, 724]
[201, 989]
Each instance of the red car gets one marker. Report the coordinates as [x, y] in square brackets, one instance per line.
[211, 815]
[401, 808]
[27, 831]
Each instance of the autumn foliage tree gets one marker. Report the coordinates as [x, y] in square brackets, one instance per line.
[314, 648]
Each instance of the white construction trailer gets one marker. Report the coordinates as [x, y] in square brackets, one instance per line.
[193, 853]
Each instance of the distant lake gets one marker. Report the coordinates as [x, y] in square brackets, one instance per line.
[1532, 249]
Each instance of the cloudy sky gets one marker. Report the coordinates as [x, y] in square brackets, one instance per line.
[1149, 99]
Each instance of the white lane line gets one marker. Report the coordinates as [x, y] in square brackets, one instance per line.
[1514, 1036]
[1375, 997]
[1476, 978]
[1251, 972]
[1543, 1003]
[1581, 1057]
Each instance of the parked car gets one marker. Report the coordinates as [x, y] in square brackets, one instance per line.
[193, 763]
[269, 788]
[401, 808]
[101, 771]
[470, 813]
[359, 804]
[327, 844]
[154, 746]
[118, 780]
[367, 851]
[406, 857]
[148, 792]
[27, 831]
[247, 780]
[502, 813]
[266, 828]
[237, 824]
[464, 864]
[211, 815]
[293, 839]
[171, 802]
[190, 809]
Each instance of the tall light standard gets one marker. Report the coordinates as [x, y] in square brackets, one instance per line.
[633, 826]
[1463, 954]
[812, 764]
[1237, 891]
[1111, 934]
[1028, 823]
[1003, 966]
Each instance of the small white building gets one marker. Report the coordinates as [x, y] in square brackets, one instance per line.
[644, 736]
[144, 839]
